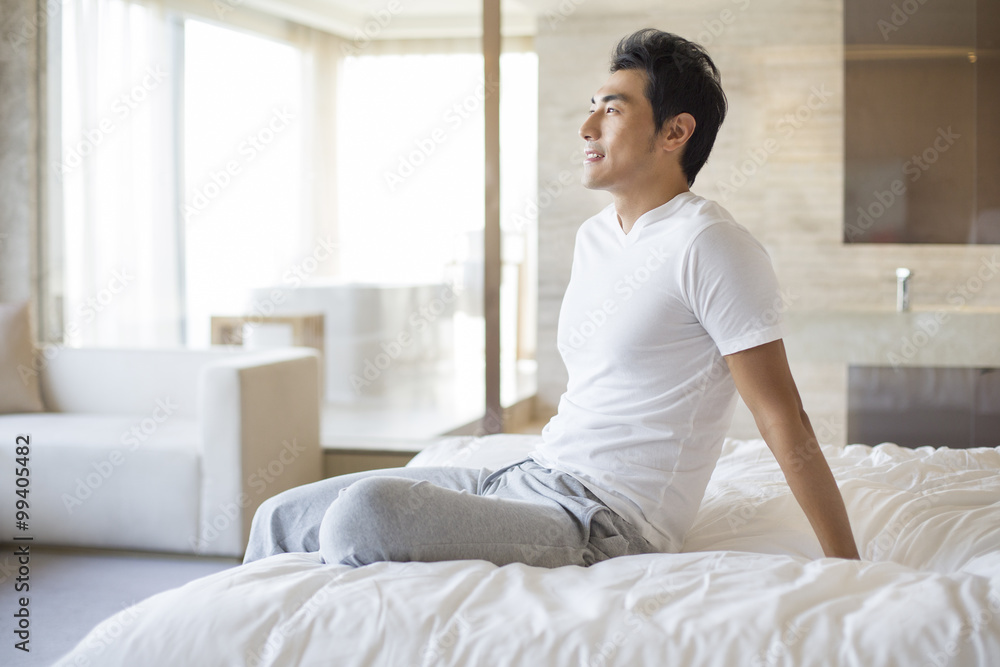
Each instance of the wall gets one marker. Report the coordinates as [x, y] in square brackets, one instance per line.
[782, 69]
[18, 148]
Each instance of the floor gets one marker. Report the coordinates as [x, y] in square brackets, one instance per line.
[72, 590]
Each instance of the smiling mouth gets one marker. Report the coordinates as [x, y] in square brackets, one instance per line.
[592, 156]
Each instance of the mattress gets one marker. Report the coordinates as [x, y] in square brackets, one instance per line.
[751, 586]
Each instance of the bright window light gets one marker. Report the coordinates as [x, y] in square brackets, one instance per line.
[410, 160]
[243, 168]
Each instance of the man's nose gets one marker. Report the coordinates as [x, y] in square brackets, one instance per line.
[589, 129]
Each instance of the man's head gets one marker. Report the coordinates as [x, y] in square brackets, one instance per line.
[680, 78]
[681, 85]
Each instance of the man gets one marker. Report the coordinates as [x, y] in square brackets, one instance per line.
[670, 310]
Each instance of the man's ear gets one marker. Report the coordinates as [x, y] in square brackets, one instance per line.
[677, 131]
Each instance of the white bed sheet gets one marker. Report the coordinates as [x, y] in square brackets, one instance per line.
[751, 588]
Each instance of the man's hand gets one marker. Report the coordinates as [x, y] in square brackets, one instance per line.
[762, 377]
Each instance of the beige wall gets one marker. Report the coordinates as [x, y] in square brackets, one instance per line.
[18, 137]
[777, 59]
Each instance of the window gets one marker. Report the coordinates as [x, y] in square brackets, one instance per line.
[410, 178]
[244, 169]
[203, 163]
[149, 102]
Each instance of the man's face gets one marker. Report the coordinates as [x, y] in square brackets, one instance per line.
[621, 153]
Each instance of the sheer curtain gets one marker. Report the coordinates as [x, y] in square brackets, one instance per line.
[118, 171]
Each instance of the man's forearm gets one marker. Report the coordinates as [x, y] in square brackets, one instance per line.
[816, 491]
[814, 487]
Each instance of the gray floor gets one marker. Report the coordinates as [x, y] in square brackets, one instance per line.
[72, 590]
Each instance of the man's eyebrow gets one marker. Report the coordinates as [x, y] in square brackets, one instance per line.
[613, 97]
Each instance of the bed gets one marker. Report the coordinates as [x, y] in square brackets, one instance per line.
[750, 588]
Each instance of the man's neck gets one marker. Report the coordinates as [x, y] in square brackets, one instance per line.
[630, 209]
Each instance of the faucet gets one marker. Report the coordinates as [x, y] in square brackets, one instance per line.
[903, 289]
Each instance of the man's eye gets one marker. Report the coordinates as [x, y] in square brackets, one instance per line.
[610, 109]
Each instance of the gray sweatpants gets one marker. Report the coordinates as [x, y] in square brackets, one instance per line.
[521, 513]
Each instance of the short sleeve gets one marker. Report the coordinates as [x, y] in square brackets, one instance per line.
[731, 288]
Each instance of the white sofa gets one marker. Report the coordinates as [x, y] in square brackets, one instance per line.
[163, 450]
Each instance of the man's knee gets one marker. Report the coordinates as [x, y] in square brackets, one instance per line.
[369, 521]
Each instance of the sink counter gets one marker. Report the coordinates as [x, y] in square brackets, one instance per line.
[946, 336]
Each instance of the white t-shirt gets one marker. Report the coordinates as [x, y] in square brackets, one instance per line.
[644, 324]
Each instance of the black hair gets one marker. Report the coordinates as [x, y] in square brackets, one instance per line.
[680, 78]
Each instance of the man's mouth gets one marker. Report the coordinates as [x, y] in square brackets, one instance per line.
[592, 156]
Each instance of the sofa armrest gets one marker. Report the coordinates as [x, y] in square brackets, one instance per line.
[116, 381]
[259, 417]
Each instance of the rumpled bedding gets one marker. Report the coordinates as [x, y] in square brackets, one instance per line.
[751, 586]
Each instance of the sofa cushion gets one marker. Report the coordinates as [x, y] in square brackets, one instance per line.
[19, 387]
[96, 480]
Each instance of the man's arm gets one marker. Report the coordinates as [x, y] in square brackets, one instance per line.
[762, 377]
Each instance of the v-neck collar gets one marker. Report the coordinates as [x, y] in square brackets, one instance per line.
[658, 213]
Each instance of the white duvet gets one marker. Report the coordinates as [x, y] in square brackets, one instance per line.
[751, 587]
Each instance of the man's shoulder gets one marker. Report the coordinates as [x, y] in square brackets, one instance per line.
[707, 215]
[689, 222]
[706, 212]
